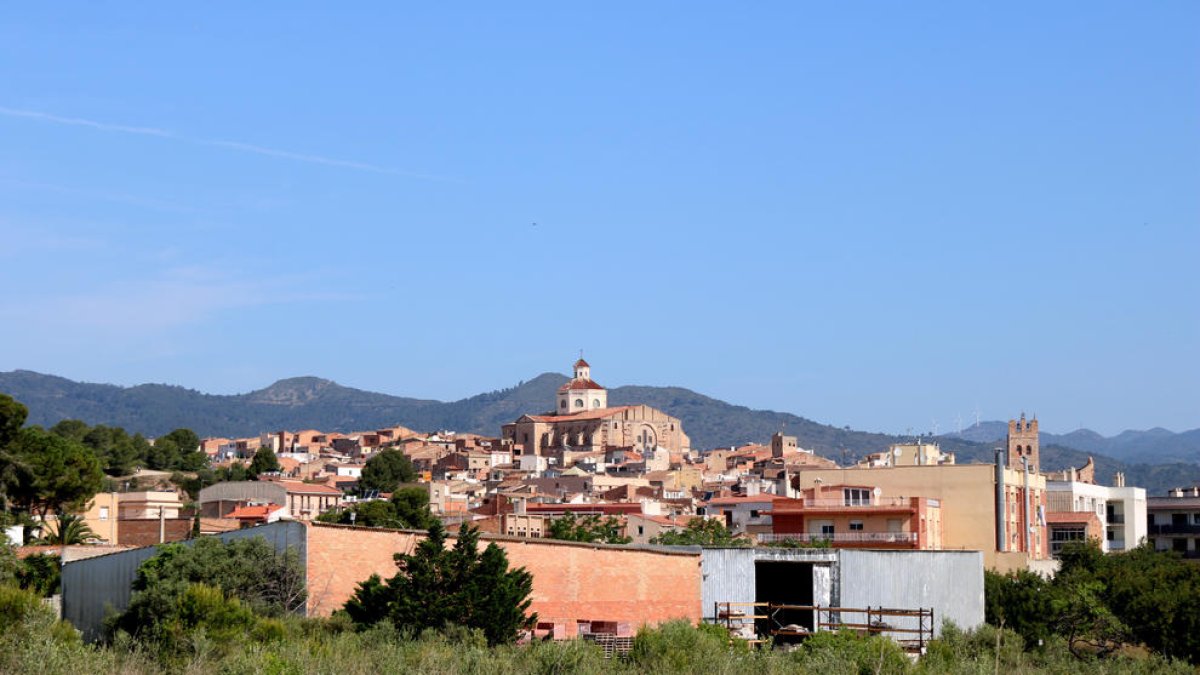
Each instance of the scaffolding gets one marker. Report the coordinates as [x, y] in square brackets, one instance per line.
[743, 618]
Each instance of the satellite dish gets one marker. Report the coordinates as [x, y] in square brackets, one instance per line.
[877, 491]
[897, 452]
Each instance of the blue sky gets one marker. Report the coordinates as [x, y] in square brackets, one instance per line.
[879, 216]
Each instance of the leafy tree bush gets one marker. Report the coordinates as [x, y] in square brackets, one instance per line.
[40, 573]
[13, 414]
[588, 528]
[678, 646]
[50, 473]
[10, 565]
[848, 652]
[386, 471]
[264, 461]
[699, 532]
[407, 509]
[248, 570]
[1022, 601]
[412, 507]
[436, 587]
[1097, 603]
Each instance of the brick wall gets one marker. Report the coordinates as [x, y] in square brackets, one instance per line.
[146, 532]
[570, 581]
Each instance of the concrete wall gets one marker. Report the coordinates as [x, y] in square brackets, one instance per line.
[951, 582]
[93, 587]
[570, 580]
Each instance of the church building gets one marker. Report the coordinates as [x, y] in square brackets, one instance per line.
[583, 422]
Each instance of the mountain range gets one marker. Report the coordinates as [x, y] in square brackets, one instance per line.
[1151, 445]
[1156, 459]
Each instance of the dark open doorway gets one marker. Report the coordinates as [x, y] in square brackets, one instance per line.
[787, 583]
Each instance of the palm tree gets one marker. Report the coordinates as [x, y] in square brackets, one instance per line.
[71, 529]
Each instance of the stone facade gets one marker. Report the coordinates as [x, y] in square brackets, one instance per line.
[1023, 443]
[585, 423]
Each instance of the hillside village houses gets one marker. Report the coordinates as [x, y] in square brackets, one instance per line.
[636, 464]
[816, 532]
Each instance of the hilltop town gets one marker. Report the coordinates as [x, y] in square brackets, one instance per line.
[615, 520]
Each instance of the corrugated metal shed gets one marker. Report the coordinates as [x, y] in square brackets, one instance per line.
[728, 574]
[96, 587]
[951, 582]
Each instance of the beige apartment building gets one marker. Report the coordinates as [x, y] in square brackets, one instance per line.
[970, 497]
[999, 509]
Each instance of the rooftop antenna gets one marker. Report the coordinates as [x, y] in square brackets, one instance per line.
[976, 414]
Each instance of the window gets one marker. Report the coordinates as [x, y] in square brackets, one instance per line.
[562, 403]
[856, 496]
[753, 513]
[827, 530]
[595, 403]
[856, 526]
[578, 403]
[641, 530]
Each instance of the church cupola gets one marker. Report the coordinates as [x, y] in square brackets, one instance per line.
[581, 394]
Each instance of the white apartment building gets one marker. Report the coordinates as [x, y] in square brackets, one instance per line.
[1121, 512]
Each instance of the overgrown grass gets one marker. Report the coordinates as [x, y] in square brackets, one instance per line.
[33, 642]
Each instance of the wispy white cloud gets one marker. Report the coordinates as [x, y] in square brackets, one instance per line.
[157, 304]
[78, 122]
[220, 143]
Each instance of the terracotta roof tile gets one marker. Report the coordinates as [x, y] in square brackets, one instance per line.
[580, 384]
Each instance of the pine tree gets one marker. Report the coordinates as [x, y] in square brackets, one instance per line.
[437, 587]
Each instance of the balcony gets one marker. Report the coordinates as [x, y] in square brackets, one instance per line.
[843, 503]
[907, 538]
[1174, 529]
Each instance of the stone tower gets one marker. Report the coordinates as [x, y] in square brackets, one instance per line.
[1023, 442]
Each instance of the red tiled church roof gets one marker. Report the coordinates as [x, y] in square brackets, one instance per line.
[579, 416]
[580, 384]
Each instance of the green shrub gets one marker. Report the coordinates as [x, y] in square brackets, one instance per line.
[848, 652]
[678, 646]
[18, 606]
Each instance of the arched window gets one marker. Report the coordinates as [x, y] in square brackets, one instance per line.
[578, 403]
[595, 403]
[562, 403]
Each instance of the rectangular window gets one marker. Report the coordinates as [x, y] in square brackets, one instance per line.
[827, 530]
[856, 496]
[856, 526]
